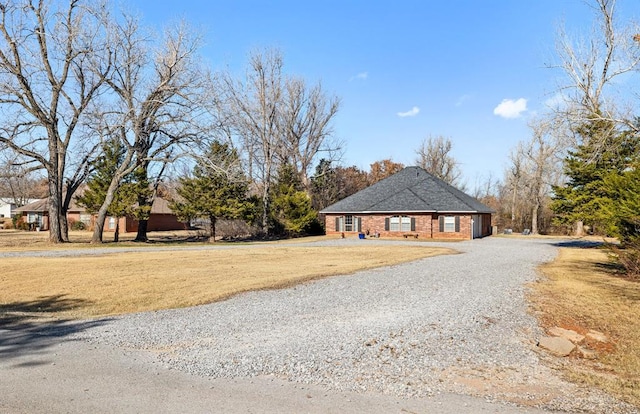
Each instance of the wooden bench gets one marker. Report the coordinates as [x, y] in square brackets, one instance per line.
[407, 235]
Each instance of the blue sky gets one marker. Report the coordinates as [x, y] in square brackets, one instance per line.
[473, 71]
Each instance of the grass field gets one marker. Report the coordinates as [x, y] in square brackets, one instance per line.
[583, 291]
[118, 283]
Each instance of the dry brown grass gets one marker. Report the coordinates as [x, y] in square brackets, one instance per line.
[93, 286]
[582, 291]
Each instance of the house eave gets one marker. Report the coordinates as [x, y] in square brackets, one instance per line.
[406, 211]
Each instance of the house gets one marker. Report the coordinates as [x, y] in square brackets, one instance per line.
[36, 215]
[8, 206]
[410, 203]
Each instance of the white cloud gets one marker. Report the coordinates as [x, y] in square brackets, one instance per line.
[413, 112]
[509, 108]
[360, 76]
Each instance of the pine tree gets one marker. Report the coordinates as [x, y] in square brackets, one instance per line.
[292, 209]
[98, 183]
[217, 190]
[587, 195]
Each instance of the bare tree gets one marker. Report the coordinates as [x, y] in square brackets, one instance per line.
[48, 57]
[305, 124]
[536, 165]
[434, 155]
[156, 106]
[18, 183]
[254, 105]
[277, 119]
[591, 69]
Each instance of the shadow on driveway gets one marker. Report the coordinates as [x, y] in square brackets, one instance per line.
[26, 328]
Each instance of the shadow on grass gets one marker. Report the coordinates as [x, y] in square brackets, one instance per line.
[580, 244]
[27, 327]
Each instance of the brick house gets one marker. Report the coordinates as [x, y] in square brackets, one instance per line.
[36, 215]
[410, 203]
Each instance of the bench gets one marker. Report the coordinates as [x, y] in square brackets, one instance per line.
[414, 235]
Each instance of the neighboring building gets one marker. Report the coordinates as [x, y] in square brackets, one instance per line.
[410, 203]
[36, 215]
[7, 206]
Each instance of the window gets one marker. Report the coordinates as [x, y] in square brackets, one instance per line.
[86, 219]
[348, 223]
[34, 218]
[112, 223]
[449, 224]
[400, 223]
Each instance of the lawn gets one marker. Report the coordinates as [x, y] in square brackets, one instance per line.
[119, 283]
[582, 290]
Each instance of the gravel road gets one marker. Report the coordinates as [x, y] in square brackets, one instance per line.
[446, 325]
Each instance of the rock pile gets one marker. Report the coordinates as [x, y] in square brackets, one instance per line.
[562, 342]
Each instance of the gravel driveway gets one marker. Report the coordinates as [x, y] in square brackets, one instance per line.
[455, 324]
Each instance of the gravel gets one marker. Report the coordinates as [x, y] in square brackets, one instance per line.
[454, 323]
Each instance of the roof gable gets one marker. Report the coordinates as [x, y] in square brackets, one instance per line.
[411, 189]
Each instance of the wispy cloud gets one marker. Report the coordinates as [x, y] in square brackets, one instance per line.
[359, 76]
[509, 108]
[464, 98]
[413, 112]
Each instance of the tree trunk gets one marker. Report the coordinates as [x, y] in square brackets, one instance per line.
[534, 217]
[116, 235]
[212, 232]
[55, 204]
[98, 230]
[579, 228]
[141, 236]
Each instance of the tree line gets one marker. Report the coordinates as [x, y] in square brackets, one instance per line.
[95, 100]
[90, 97]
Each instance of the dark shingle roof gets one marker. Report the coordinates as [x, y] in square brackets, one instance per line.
[410, 190]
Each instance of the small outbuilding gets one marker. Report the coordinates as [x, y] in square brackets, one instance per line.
[410, 203]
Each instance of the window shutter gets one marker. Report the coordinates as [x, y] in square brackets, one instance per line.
[413, 224]
[359, 224]
[337, 223]
[441, 223]
[457, 224]
[386, 224]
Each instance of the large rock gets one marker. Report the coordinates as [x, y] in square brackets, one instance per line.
[572, 336]
[556, 345]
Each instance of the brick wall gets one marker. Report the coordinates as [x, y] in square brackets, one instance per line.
[426, 226]
[465, 228]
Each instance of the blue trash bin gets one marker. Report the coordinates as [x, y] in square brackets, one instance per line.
[361, 236]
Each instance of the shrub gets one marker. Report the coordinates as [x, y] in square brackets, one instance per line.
[627, 255]
[76, 224]
[20, 224]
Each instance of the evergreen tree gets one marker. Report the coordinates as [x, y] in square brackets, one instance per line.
[624, 208]
[324, 188]
[217, 190]
[587, 195]
[292, 208]
[104, 167]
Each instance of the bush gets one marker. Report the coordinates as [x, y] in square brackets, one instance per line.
[627, 256]
[20, 224]
[76, 225]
